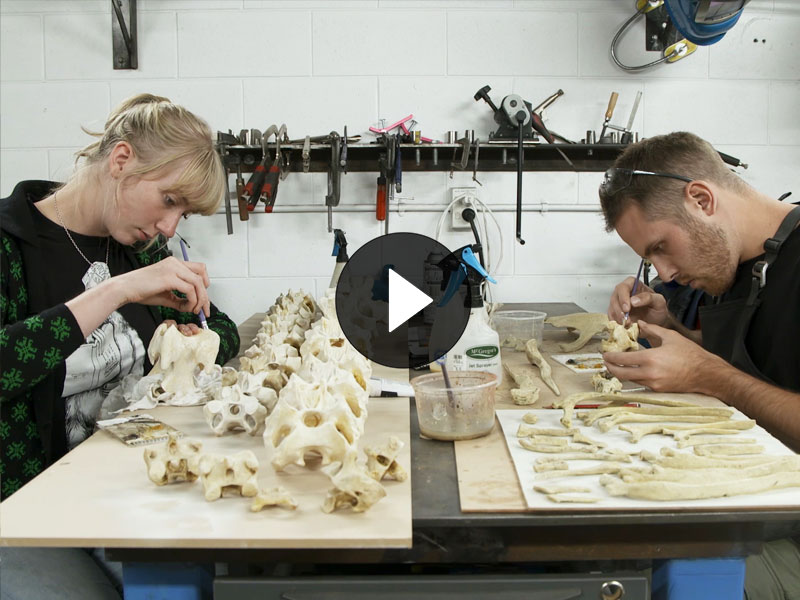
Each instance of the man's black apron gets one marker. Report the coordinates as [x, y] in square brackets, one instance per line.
[725, 325]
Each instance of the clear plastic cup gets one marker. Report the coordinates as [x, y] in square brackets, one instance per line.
[521, 325]
[463, 411]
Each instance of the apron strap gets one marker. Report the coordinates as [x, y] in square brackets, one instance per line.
[772, 246]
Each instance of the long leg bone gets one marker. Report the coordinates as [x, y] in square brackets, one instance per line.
[526, 431]
[669, 490]
[554, 448]
[591, 416]
[568, 403]
[536, 358]
[705, 440]
[593, 470]
[728, 450]
[683, 460]
[608, 423]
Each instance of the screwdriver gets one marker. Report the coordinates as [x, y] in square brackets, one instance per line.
[612, 102]
[380, 199]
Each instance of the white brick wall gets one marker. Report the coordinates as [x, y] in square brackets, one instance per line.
[317, 65]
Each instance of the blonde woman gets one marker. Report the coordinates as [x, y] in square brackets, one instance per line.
[86, 277]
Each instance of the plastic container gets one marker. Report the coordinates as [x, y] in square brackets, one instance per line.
[520, 324]
[461, 412]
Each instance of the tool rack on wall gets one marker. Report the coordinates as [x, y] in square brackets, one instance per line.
[492, 156]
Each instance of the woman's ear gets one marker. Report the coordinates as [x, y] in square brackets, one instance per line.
[119, 158]
[700, 197]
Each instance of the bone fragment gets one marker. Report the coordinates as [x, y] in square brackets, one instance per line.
[724, 427]
[277, 496]
[382, 463]
[683, 460]
[777, 464]
[530, 418]
[571, 498]
[560, 465]
[665, 491]
[613, 454]
[525, 431]
[174, 461]
[553, 448]
[609, 422]
[586, 324]
[527, 393]
[579, 438]
[705, 440]
[513, 342]
[560, 489]
[604, 383]
[536, 358]
[593, 470]
[683, 431]
[620, 338]
[235, 474]
[568, 403]
[590, 417]
[728, 450]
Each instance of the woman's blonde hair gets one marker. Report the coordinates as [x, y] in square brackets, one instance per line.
[161, 134]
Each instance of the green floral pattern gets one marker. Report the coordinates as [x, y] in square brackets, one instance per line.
[33, 346]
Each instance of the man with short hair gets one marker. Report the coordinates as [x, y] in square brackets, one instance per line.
[673, 200]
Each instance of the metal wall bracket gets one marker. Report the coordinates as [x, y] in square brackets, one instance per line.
[123, 34]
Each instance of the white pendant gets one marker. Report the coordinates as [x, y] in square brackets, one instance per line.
[98, 273]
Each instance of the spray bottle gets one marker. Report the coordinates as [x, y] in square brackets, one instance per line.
[340, 252]
[478, 348]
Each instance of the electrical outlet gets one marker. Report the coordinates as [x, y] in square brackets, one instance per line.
[465, 197]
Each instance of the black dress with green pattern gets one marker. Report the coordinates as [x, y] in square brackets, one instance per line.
[37, 334]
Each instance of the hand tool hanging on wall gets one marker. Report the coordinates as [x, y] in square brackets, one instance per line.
[223, 141]
[516, 118]
[252, 190]
[626, 133]
[380, 198]
[269, 191]
[612, 102]
[334, 177]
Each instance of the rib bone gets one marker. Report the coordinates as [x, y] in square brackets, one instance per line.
[536, 358]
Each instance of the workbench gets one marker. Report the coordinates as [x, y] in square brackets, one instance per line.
[488, 549]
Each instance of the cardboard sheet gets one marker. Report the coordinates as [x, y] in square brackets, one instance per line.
[616, 439]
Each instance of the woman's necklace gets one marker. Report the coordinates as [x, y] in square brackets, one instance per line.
[98, 271]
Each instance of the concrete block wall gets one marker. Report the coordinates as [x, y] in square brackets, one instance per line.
[317, 65]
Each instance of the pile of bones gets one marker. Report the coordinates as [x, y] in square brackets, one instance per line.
[304, 386]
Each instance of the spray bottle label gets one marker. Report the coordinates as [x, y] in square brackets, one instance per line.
[482, 352]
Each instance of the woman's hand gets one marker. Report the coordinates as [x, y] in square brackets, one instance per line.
[646, 305]
[187, 329]
[154, 285]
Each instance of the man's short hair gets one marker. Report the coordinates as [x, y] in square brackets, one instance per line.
[680, 153]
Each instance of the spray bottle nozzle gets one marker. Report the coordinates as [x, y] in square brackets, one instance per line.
[462, 264]
[339, 246]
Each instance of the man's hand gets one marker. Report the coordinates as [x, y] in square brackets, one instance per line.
[673, 364]
[646, 304]
[187, 329]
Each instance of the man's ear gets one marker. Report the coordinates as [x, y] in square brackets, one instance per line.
[700, 197]
[119, 158]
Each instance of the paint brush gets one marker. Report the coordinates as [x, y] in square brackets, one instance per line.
[201, 314]
[635, 285]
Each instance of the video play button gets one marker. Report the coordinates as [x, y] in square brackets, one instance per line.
[388, 296]
[405, 300]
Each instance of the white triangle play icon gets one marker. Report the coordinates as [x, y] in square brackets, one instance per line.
[405, 300]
